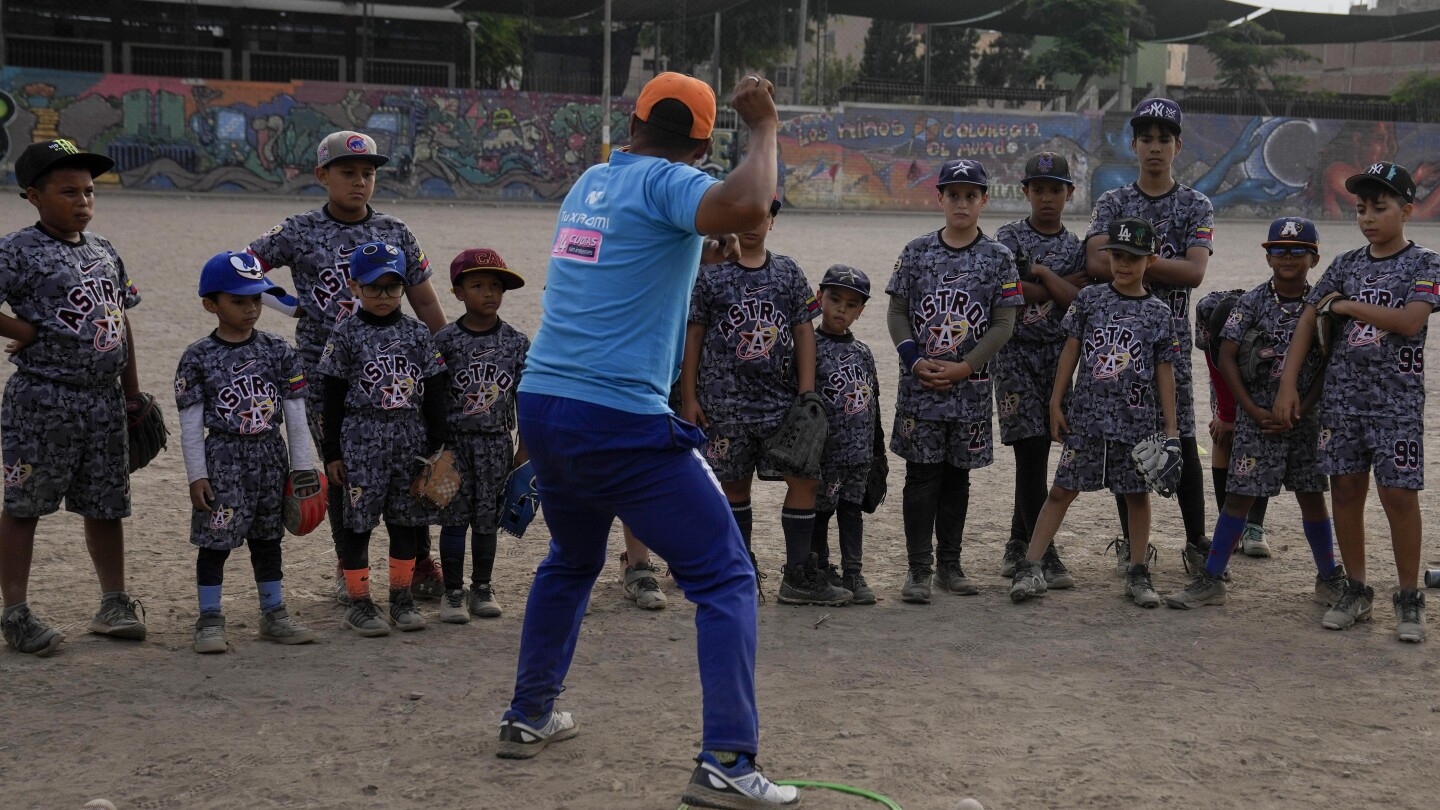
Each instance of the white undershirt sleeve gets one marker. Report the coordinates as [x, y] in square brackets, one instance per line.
[297, 431]
[192, 442]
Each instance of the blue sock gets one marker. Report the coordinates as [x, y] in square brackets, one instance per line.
[271, 596]
[1322, 545]
[452, 555]
[1228, 529]
[210, 598]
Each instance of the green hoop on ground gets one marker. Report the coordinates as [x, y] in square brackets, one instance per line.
[888, 802]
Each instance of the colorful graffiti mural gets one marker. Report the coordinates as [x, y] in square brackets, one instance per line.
[195, 136]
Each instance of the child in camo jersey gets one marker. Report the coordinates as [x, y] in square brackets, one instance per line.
[1122, 339]
[485, 356]
[233, 389]
[385, 406]
[749, 352]
[317, 246]
[1184, 222]
[845, 375]
[954, 296]
[1051, 263]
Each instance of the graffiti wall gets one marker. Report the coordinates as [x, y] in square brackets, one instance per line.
[195, 136]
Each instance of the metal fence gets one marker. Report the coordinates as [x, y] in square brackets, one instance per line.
[1356, 108]
[883, 92]
[54, 53]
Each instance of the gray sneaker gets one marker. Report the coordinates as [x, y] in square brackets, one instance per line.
[917, 585]
[276, 625]
[1122, 554]
[1014, 553]
[1195, 556]
[364, 618]
[1353, 607]
[1410, 615]
[949, 576]
[403, 612]
[1029, 581]
[523, 738]
[27, 634]
[210, 634]
[1252, 542]
[452, 607]
[482, 601]
[1328, 590]
[641, 586]
[854, 582]
[1202, 590]
[117, 617]
[342, 593]
[1139, 588]
[1057, 576]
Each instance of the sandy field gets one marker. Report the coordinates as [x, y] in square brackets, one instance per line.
[1076, 700]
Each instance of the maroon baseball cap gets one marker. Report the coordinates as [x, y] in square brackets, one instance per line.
[477, 260]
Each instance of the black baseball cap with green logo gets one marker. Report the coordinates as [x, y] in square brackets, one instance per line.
[57, 153]
[1132, 235]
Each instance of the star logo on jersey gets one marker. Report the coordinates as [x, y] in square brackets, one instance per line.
[1364, 334]
[356, 493]
[398, 393]
[946, 336]
[757, 342]
[1037, 312]
[907, 427]
[1067, 456]
[109, 330]
[1326, 434]
[858, 401]
[256, 419]
[17, 474]
[221, 518]
[1110, 362]
[1009, 406]
[718, 449]
[477, 402]
[1245, 467]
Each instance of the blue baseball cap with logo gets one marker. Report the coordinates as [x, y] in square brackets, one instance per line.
[1160, 111]
[963, 170]
[843, 275]
[1292, 231]
[236, 274]
[374, 260]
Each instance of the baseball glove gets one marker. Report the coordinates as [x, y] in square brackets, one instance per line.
[1024, 266]
[878, 481]
[1210, 315]
[519, 500]
[800, 442]
[1327, 322]
[1157, 460]
[146, 426]
[1256, 357]
[306, 496]
[438, 481]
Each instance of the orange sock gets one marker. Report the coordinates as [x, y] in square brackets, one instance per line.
[357, 583]
[401, 573]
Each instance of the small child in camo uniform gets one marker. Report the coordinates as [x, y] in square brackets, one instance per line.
[386, 401]
[485, 356]
[234, 389]
[845, 376]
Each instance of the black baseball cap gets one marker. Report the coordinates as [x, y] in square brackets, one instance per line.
[1132, 235]
[1390, 175]
[57, 153]
[962, 171]
[1047, 166]
[1162, 111]
[843, 275]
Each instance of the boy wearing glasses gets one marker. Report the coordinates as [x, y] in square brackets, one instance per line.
[1264, 454]
[386, 388]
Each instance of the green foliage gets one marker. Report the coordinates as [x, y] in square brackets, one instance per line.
[891, 53]
[1091, 36]
[838, 73]
[952, 47]
[757, 35]
[1249, 53]
[499, 49]
[1005, 64]
[1421, 90]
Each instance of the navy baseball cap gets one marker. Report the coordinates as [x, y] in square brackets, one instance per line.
[373, 260]
[237, 274]
[1132, 235]
[1292, 231]
[1162, 111]
[962, 171]
[1390, 175]
[843, 275]
[1047, 166]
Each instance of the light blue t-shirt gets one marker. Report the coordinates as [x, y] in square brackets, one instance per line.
[617, 291]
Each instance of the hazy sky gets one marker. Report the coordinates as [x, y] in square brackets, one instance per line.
[1334, 6]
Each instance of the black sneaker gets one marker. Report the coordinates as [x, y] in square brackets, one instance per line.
[832, 575]
[1410, 615]
[951, 577]
[1057, 576]
[27, 634]
[1195, 555]
[1014, 553]
[760, 577]
[854, 582]
[806, 585]
[917, 585]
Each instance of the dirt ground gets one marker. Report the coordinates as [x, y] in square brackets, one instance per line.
[1076, 700]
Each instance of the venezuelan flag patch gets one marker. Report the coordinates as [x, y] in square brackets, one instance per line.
[812, 305]
[424, 260]
[297, 382]
[1205, 233]
[1010, 289]
[1427, 287]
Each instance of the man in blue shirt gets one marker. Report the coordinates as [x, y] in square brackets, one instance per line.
[594, 413]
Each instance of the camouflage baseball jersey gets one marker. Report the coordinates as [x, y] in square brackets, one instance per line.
[1182, 218]
[241, 385]
[385, 364]
[1276, 317]
[1063, 253]
[1372, 372]
[484, 370]
[317, 249]
[1122, 341]
[845, 376]
[950, 292]
[75, 295]
[747, 361]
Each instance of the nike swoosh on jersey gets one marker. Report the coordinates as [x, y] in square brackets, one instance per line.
[239, 368]
[756, 290]
[388, 346]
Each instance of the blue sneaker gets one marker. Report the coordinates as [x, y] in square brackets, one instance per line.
[735, 787]
[521, 738]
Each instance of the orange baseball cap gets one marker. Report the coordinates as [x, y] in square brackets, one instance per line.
[677, 103]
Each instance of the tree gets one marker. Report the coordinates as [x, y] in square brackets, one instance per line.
[891, 52]
[1095, 37]
[1006, 63]
[952, 47]
[1421, 90]
[1247, 54]
[758, 35]
[499, 49]
[838, 73]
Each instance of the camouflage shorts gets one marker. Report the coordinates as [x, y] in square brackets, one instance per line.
[844, 482]
[1024, 378]
[248, 475]
[967, 445]
[381, 452]
[483, 460]
[1261, 464]
[64, 442]
[1394, 448]
[1090, 463]
[737, 451]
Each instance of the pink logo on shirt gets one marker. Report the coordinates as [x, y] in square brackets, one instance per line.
[580, 245]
